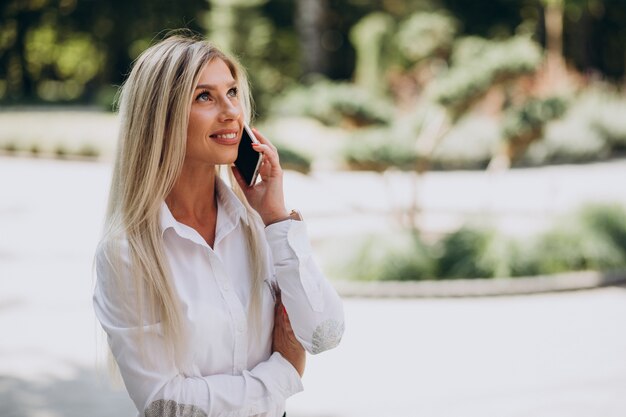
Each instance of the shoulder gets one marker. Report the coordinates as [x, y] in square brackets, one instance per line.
[112, 247]
[112, 260]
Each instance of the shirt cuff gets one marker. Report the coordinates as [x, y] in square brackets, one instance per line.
[289, 381]
[287, 237]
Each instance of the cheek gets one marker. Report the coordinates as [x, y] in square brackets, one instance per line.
[193, 127]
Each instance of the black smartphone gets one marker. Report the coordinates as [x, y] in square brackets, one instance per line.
[248, 160]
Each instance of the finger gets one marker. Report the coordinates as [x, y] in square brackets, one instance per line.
[269, 155]
[263, 139]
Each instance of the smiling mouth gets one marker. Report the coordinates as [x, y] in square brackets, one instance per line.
[226, 138]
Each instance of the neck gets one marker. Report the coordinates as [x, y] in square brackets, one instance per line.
[193, 195]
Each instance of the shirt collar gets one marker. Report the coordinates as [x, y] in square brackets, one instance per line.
[230, 210]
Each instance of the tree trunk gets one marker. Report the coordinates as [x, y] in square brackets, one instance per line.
[310, 27]
[554, 40]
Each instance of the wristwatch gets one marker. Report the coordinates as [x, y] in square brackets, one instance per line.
[294, 215]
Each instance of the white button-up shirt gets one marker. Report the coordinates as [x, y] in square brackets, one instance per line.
[232, 371]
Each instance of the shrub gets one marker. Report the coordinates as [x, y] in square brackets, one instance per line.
[492, 63]
[469, 144]
[89, 151]
[570, 140]
[592, 238]
[398, 257]
[61, 151]
[424, 35]
[35, 149]
[378, 150]
[294, 160]
[531, 116]
[10, 146]
[463, 254]
[607, 118]
[608, 222]
[336, 104]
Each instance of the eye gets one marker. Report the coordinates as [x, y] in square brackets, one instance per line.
[233, 92]
[204, 96]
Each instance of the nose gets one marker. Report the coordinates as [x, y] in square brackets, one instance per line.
[229, 110]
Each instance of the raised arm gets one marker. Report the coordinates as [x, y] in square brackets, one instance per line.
[313, 305]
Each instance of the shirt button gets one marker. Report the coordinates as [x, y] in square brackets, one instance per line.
[240, 328]
[225, 287]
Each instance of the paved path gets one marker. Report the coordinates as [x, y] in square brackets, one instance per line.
[544, 355]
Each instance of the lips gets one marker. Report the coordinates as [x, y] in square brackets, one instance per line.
[226, 137]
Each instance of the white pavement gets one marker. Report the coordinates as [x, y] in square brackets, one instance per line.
[545, 355]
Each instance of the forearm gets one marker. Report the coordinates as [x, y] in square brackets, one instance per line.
[314, 307]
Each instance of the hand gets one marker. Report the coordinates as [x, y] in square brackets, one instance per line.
[284, 340]
[266, 196]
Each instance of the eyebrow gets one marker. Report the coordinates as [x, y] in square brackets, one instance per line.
[213, 87]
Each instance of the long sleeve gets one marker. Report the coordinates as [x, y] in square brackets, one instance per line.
[313, 305]
[155, 384]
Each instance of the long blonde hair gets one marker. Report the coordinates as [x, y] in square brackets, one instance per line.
[154, 107]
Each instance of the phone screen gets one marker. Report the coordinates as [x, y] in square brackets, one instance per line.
[248, 160]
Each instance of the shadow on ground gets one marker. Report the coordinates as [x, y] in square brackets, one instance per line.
[87, 393]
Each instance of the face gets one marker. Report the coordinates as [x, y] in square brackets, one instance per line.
[216, 118]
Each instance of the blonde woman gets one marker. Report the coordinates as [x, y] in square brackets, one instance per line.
[208, 292]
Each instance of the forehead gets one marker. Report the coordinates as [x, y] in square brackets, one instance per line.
[216, 73]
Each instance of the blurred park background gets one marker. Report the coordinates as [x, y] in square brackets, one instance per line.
[424, 140]
[385, 87]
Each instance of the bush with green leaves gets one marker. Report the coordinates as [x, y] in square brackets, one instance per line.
[335, 104]
[379, 149]
[593, 238]
[470, 144]
[293, 160]
[394, 257]
[521, 121]
[475, 73]
[567, 141]
[607, 110]
[426, 35]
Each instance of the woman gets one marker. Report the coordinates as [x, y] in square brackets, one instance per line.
[209, 294]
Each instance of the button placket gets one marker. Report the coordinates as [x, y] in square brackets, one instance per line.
[237, 315]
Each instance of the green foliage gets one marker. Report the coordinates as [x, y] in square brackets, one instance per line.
[531, 117]
[607, 118]
[462, 254]
[397, 257]
[268, 52]
[567, 141]
[581, 134]
[369, 37]
[10, 147]
[497, 62]
[293, 160]
[469, 144]
[378, 150]
[88, 150]
[467, 49]
[593, 238]
[61, 64]
[609, 222]
[335, 104]
[425, 35]
[61, 151]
